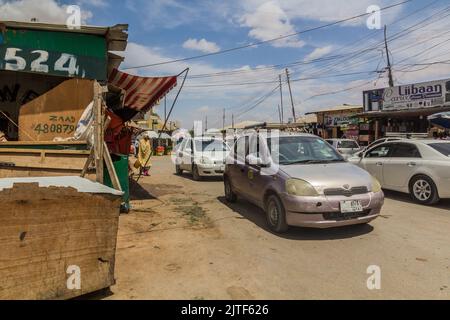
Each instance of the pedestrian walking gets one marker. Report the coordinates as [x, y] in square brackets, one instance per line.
[144, 154]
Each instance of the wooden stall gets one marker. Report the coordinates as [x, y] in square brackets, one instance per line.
[58, 237]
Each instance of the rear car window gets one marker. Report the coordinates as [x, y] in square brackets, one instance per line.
[348, 144]
[405, 150]
[443, 148]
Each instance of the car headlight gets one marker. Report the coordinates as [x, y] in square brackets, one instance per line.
[297, 187]
[376, 186]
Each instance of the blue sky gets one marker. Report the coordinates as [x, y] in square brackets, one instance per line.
[162, 30]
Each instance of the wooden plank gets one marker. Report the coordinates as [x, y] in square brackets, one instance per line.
[112, 171]
[45, 151]
[50, 161]
[98, 131]
[43, 143]
[88, 163]
[56, 228]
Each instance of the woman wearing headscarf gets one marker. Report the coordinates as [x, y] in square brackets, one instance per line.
[144, 154]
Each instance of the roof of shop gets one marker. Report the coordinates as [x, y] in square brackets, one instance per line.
[116, 36]
[337, 108]
[402, 113]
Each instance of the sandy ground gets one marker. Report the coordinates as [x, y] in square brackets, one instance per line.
[183, 241]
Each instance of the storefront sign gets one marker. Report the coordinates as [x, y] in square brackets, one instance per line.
[339, 120]
[66, 54]
[414, 96]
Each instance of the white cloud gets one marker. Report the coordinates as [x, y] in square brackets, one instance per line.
[318, 53]
[49, 11]
[327, 10]
[201, 45]
[270, 21]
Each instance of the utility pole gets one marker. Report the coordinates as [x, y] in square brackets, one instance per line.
[223, 121]
[391, 79]
[232, 121]
[165, 109]
[206, 124]
[281, 97]
[279, 114]
[290, 92]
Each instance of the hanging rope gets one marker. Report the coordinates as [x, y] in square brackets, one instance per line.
[12, 121]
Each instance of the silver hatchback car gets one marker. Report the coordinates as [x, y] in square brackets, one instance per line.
[300, 180]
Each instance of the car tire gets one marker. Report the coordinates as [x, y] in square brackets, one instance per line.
[230, 196]
[276, 214]
[178, 170]
[195, 175]
[423, 190]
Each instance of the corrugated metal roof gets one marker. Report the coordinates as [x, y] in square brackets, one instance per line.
[80, 184]
[337, 108]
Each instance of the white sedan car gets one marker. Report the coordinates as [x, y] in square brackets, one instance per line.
[418, 167]
[202, 156]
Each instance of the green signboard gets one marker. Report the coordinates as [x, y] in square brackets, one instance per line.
[66, 54]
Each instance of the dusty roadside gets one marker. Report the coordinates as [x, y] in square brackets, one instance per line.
[182, 241]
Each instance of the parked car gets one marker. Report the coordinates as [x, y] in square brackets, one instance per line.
[373, 144]
[300, 180]
[418, 167]
[346, 147]
[202, 156]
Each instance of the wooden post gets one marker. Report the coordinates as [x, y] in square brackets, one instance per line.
[112, 171]
[98, 131]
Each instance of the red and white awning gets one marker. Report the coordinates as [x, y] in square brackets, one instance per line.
[142, 93]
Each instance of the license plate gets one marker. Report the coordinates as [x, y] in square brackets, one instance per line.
[351, 206]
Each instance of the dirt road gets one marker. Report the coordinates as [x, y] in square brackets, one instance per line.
[183, 241]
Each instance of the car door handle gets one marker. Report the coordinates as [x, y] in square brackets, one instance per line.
[379, 164]
[412, 164]
[180, 155]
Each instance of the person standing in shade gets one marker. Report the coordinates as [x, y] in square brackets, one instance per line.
[144, 154]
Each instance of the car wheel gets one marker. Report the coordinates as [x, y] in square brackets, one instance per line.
[276, 215]
[423, 190]
[195, 175]
[178, 170]
[230, 196]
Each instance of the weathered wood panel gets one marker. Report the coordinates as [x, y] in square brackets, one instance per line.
[43, 231]
[56, 113]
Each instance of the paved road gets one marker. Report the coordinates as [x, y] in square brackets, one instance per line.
[183, 241]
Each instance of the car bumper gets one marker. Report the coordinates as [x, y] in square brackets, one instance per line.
[325, 212]
[211, 170]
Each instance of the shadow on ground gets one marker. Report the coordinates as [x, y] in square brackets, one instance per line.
[257, 216]
[188, 176]
[138, 192]
[406, 198]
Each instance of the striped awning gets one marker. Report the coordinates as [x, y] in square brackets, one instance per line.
[142, 93]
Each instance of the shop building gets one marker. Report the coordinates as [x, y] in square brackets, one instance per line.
[338, 122]
[404, 110]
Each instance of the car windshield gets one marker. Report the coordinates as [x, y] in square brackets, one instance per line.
[210, 145]
[443, 148]
[348, 144]
[297, 150]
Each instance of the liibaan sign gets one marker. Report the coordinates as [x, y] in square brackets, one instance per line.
[66, 54]
[413, 96]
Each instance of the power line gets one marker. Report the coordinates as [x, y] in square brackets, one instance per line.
[266, 41]
[275, 81]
